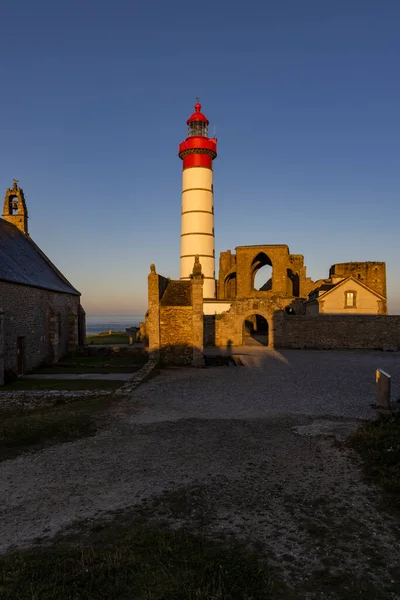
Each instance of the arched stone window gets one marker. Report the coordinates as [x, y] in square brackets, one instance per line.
[261, 273]
[230, 286]
[293, 283]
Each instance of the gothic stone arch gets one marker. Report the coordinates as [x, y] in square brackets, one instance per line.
[251, 258]
[229, 325]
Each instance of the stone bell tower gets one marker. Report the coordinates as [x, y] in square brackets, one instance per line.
[15, 210]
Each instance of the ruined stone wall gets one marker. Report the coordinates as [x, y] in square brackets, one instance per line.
[176, 334]
[337, 331]
[174, 320]
[236, 276]
[209, 330]
[372, 274]
[227, 261]
[156, 288]
[226, 329]
[30, 313]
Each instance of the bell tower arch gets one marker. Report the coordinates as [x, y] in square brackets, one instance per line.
[15, 210]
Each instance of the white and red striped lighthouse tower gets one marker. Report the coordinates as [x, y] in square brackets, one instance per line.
[197, 235]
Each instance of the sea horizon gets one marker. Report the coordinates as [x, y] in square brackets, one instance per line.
[99, 323]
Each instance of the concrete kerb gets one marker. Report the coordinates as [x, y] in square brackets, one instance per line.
[138, 378]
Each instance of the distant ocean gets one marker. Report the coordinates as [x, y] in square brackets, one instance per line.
[100, 323]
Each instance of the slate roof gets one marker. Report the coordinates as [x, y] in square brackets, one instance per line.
[322, 288]
[21, 261]
[178, 293]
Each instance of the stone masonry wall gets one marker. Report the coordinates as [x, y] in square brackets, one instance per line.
[156, 287]
[174, 320]
[229, 325]
[337, 331]
[27, 313]
[176, 334]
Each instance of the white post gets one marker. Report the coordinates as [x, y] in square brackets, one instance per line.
[382, 389]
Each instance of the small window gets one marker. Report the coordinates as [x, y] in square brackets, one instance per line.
[350, 299]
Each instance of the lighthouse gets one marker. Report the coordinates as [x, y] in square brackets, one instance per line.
[197, 232]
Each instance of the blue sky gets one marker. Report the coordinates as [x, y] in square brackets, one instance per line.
[305, 98]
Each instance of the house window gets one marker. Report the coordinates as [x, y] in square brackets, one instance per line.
[350, 299]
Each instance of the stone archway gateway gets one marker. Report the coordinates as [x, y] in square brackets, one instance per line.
[255, 331]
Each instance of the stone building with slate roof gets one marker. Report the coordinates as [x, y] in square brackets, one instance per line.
[41, 316]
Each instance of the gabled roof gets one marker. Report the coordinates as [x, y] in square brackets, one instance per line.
[178, 293]
[22, 262]
[343, 282]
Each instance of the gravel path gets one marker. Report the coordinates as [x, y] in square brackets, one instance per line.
[256, 453]
[108, 376]
[340, 384]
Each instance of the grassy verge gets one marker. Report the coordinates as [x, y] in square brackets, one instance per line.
[136, 560]
[62, 384]
[378, 443]
[96, 364]
[116, 337]
[24, 431]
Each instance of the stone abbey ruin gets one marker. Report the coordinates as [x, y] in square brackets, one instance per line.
[281, 314]
[348, 309]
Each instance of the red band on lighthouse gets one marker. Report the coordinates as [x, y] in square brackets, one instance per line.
[197, 160]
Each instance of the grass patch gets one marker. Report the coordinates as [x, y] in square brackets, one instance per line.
[136, 560]
[97, 364]
[116, 337]
[27, 430]
[106, 365]
[378, 443]
[62, 384]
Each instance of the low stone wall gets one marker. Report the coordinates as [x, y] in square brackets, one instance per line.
[375, 332]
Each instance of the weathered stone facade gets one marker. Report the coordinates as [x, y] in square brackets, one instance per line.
[237, 273]
[229, 326]
[39, 326]
[174, 320]
[376, 332]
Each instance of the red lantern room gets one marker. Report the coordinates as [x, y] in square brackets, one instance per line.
[197, 123]
[198, 149]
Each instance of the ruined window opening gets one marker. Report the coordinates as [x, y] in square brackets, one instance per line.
[261, 273]
[293, 283]
[230, 287]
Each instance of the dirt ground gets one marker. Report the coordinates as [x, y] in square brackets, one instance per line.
[191, 448]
